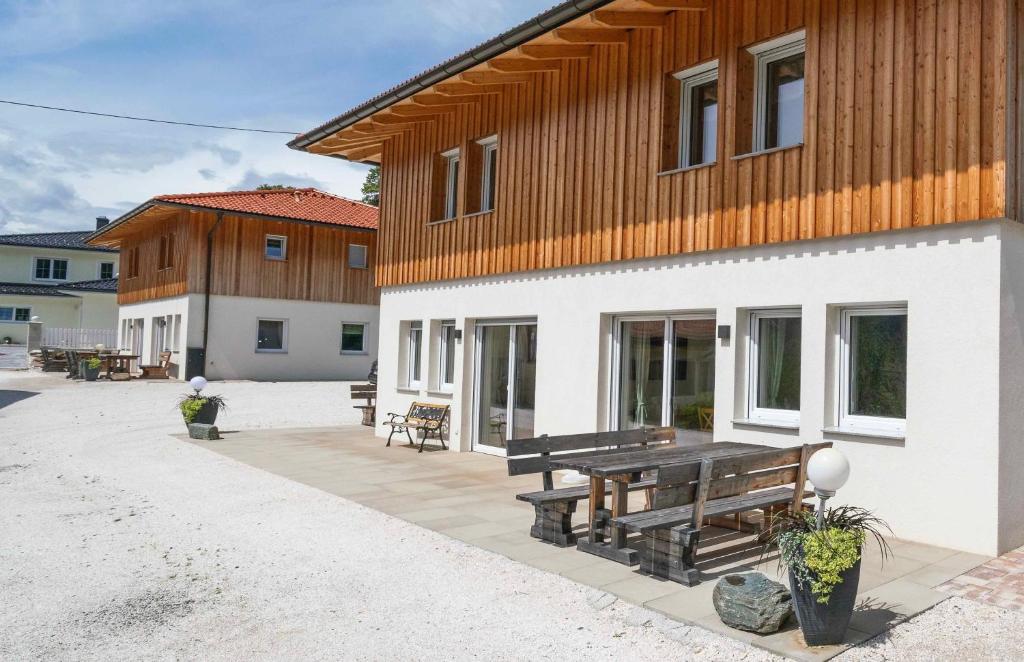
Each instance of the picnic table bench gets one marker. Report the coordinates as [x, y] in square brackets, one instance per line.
[688, 493]
[368, 394]
[554, 507]
[158, 371]
[426, 418]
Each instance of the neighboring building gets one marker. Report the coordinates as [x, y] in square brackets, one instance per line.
[799, 217]
[290, 292]
[58, 278]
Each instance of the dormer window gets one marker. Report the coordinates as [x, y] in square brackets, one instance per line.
[275, 247]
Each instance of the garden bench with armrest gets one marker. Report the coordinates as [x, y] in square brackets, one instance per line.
[426, 418]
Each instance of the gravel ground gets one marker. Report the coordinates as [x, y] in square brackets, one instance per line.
[121, 542]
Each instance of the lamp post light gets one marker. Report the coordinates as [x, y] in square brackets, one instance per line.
[198, 383]
[828, 470]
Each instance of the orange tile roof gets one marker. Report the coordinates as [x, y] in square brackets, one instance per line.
[304, 204]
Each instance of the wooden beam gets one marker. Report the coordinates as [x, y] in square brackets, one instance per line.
[445, 99]
[525, 65]
[334, 142]
[362, 154]
[628, 19]
[374, 129]
[464, 88]
[565, 51]
[494, 77]
[384, 118]
[413, 111]
[592, 35]
[679, 5]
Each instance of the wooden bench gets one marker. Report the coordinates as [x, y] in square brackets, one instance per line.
[368, 394]
[158, 371]
[688, 494]
[426, 418]
[554, 507]
[52, 360]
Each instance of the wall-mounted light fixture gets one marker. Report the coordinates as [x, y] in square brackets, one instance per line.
[724, 331]
[458, 335]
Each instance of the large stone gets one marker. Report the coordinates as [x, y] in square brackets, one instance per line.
[203, 431]
[752, 602]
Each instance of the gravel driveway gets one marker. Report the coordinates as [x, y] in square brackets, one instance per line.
[120, 542]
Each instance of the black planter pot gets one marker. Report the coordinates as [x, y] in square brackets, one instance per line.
[90, 374]
[826, 624]
[207, 414]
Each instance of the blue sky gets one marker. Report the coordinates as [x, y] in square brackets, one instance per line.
[273, 64]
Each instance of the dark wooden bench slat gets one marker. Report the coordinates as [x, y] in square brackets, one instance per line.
[589, 440]
[682, 515]
[519, 466]
[575, 493]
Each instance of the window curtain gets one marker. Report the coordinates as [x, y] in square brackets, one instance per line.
[642, 362]
[773, 348]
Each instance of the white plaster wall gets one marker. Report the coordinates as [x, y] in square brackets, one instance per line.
[17, 263]
[1011, 392]
[186, 306]
[53, 311]
[937, 486]
[314, 340]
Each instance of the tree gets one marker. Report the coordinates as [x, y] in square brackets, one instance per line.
[371, 187]
[273, 187]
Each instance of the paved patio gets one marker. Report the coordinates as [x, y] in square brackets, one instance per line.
[470, 497]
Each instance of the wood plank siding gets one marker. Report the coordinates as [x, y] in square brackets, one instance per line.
[316, 267]
[910, 115]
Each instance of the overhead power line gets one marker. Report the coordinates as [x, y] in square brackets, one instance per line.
[146, 119]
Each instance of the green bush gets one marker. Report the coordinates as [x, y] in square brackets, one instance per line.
[190, 405]
[94, 363]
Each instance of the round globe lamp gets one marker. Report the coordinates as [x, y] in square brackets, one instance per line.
[828, 470]
[198, 383]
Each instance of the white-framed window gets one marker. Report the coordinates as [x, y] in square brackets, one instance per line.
[105, 271]
[698, 115]
[773, 374]
[272, 335]
[872, 371]
[489, 172]
[451, 183]
[446, 356]
[353, 338]
[15, 314]
[176, 334]
[357, 256]
[779, 92]
[414, 354]
[49, 268]
[275, 247]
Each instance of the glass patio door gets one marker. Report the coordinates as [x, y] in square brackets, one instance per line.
[666, 375]
[505, 384]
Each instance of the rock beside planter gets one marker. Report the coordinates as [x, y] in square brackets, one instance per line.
[203, 431]
[752, 602]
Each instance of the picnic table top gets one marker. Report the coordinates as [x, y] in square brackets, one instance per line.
[618, 462]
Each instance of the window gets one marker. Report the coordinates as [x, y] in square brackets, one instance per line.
[275, 247]
[106, 270]
[353, 338]
[47, 268]
[698, 112]
[357, 256]
[272, 336]
[176, 334]
[779, 101]
[446, 356]
[15, 314]
[873, 369]
[133, 262]
[451, 186]
[489, 172]
[415, 353]
[774, 372]
[166, 252]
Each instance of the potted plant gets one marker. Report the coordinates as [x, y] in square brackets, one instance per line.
[198, 408]
[7, 340]
[90, 368]
[823, 555]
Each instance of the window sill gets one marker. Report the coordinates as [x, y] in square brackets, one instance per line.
[479, 213]
[271, 351]
[442, 221]
[676, 171]
[275, 259]
[764, 152]
[408, 389]
[892, 435]
[439, 393]
[766, 423]
[353, 353]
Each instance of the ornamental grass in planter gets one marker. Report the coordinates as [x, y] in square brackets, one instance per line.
[90, 368]
[198, 408]
[824, 565]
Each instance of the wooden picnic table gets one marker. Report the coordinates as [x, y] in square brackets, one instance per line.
[118, 363]
[623, 468]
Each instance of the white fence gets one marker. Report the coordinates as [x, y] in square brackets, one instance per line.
[54, 337]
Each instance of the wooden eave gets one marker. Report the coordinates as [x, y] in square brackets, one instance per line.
[608, 24]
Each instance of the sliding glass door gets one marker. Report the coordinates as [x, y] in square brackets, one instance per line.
[666, 375]
[506, 370]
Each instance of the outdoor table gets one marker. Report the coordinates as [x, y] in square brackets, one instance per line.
[119, 363]
[622, 468]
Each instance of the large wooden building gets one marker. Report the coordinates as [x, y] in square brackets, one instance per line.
[760, 220]
[267, 284]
